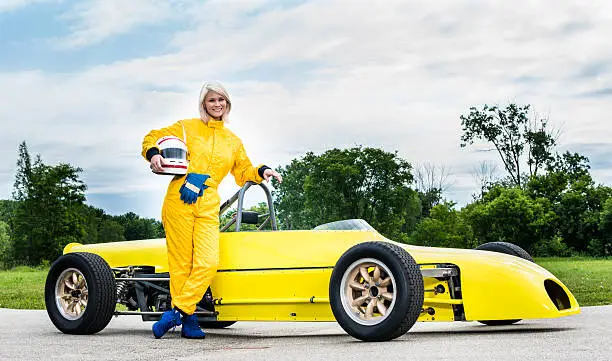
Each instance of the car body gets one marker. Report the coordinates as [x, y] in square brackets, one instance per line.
[287, 275]
[293, 268]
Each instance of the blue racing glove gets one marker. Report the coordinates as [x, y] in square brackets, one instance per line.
[193, 187]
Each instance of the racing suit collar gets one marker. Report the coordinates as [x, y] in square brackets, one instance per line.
[212, 123]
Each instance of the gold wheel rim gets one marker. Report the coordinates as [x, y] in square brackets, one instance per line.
[71, 294]
[368, 291]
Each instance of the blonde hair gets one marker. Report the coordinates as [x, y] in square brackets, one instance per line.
[216, 87]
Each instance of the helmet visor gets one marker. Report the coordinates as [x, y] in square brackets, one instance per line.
[174, 153]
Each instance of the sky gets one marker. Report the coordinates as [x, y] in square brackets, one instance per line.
[82, 82]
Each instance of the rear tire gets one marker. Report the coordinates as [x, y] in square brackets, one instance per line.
[386, 304]
[505, 248]
[76, 281]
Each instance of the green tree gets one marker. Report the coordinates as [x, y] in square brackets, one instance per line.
[445, 227]
[110, 230]
[579, 211]
[430, 181]
[365, 183]
[573, 165]
[136, 227]
[47, 215]
[603, 247]
[101, 227]
[429, 199]
[509, 215]
[6, 247]
[6, 210]
[524, 145]
[576, 201]
[23, 177]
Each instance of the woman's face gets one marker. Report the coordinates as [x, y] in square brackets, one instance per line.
[215, 104]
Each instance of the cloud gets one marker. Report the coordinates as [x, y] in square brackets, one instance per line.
[95, 21]
[12, 5]
[593, 70]
[599, 154]
[599, 93]
[311, 76]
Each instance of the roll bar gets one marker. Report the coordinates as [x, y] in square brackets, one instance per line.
[239, 196]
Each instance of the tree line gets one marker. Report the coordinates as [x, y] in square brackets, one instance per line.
[546, 202]
[48, 211]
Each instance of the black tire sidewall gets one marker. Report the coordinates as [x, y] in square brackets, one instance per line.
[506, 248]
[405, 294]
[89, 322]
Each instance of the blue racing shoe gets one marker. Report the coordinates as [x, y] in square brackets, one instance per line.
[169, 319]
[191, 327]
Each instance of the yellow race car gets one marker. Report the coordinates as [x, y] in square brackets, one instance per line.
[345, 271]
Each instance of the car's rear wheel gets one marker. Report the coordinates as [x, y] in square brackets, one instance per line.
[80, 293]
[376, 291]
[505, 248]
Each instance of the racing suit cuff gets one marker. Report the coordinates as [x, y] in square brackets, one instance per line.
[151, 152]
[261, 170]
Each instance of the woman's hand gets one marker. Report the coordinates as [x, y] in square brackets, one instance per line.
[157, 162]
[269, 173]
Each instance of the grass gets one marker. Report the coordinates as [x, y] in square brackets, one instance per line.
[23, 288]
[589, 280]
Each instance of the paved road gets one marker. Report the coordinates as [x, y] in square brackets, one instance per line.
[29, 335]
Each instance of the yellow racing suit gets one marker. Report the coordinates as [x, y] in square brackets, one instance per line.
[192, 230]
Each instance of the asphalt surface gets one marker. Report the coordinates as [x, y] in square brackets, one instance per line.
[30, 335]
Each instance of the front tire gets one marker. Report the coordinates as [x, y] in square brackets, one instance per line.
[505, 248]
[80, 293]
[376, 291]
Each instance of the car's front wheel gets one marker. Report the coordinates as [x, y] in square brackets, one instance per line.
[376, 291]
[80, 293]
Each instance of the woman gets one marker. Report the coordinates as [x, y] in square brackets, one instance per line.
[190, 213]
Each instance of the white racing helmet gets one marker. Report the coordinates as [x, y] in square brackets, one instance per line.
[174, 152]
